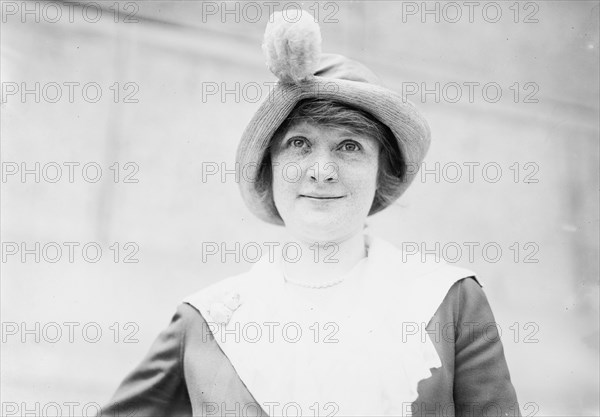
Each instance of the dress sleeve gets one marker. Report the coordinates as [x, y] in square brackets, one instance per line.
[482, 383]
[156, 387]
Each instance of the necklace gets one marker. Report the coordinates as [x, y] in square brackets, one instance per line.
[318, 286]
[326, 284]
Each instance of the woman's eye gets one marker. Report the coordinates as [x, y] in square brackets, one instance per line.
[297, 142]
[350, 146]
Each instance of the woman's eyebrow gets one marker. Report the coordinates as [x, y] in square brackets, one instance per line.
[299, 130]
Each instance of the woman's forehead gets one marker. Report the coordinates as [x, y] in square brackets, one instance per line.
[309, 126]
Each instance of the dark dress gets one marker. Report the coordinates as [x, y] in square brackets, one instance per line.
[185, 372]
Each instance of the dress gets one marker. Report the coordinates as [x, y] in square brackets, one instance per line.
[399, 337]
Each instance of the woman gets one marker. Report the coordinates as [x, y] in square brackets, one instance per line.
[333, 321]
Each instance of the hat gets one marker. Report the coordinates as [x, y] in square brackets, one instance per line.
[293, 52]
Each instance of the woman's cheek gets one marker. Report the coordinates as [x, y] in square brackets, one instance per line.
[284, 181]
[360, 171]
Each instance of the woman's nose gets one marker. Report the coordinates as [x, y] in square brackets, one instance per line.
[323, 169]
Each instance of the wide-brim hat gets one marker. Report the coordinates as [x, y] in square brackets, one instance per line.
[293, 50]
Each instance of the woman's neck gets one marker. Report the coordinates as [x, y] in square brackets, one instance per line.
[316, 263]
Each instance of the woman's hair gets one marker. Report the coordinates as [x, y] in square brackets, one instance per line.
[333, 114]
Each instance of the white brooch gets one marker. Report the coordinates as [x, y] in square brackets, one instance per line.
[221, 312]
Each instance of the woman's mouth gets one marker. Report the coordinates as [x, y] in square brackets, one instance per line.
[322, 197]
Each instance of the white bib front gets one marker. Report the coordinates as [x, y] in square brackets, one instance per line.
[356, 349]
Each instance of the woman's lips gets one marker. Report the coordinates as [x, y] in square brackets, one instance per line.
[321, 197]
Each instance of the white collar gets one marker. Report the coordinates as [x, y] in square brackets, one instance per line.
[373, 368]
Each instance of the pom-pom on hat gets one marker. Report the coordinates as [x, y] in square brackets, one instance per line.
[293, 52]
[292, 49]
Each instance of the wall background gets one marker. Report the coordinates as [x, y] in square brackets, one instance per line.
[172, 52]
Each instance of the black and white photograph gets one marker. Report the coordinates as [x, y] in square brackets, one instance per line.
[310, 208]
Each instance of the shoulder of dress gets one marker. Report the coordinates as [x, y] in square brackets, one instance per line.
[452, 272]
[428, 281]
[411, 276]
[219, 301]
[412, 265]
[441, 280]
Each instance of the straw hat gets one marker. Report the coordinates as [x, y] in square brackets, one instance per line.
[293, 52]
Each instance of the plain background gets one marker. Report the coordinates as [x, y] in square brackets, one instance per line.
[547, 310]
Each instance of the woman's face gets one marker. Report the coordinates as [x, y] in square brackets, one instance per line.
[324, 181]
